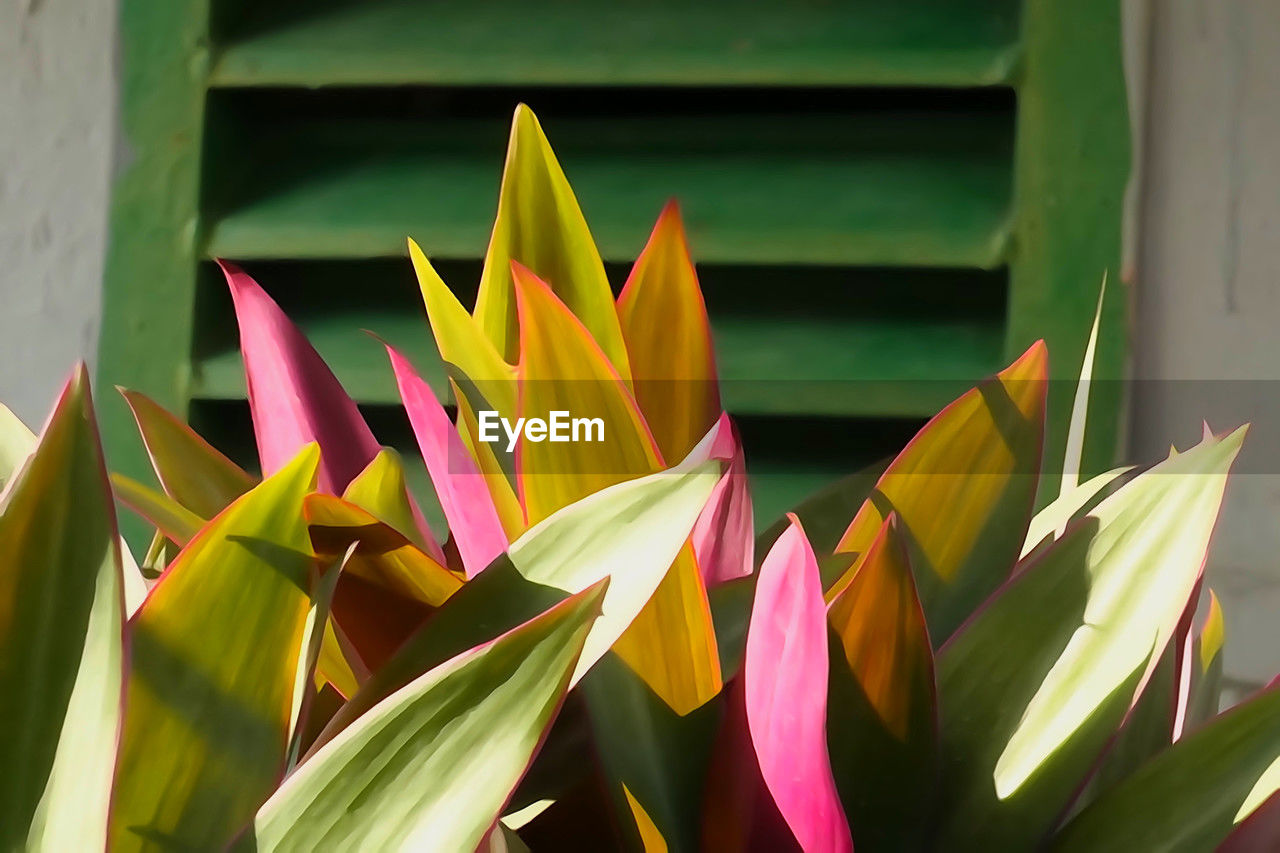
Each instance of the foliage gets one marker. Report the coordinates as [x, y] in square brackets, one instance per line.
[591, 656]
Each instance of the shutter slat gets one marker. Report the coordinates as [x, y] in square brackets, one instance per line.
[886, 189]
[791, 366]
[805, 42]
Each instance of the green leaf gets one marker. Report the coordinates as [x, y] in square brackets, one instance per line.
[430, 767]
[191, 470]
[564, 554]
[215, 651]
[1192, 794]
[176, 522]
[650, 754]
[61, 624]
[1024, 720]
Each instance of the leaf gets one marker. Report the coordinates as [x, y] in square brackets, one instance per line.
[723, 540]
[1206, 671]
[668, 337]
[1259, 831]
[480, 379]
[774, 786]
[214, 654]
[460, 339]
[672, 643]
[175, 521]
[540, 226]
[963, 489]
[16, 443]
[430, 767]
[1192, 794]
[1023, 721]
[463, 493]
[381, 490]
[882, 729]
[650, 837]
[565, 554]
[563, 369]
[384, 556]
[294, 397]
[313, 634]
[61, 623]
[1051, 521]
[135, 585]
[191, 471]
[338, 664]
[1080, 407]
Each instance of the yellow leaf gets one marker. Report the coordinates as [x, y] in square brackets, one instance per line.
[381, 491]
[882, 632]
[384, 556]
[650, 837]
[563, 369]
[963, 491]
[671, 644]
[540, 225]
[1213, 633]
[664, 322]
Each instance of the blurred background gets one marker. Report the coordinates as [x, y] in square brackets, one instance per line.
[908, 192]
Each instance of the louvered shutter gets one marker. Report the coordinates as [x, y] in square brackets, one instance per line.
[887, 200]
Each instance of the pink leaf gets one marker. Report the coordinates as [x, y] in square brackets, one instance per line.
[294, 397]
[783, 700]
[723, 537]
[461, 488]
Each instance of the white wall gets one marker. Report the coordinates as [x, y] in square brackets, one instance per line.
[1208, 306]
[57, 102]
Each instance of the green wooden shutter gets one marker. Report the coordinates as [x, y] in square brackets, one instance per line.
[906, 193]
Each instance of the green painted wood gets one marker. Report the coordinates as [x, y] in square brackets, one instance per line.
[1072, 165]
[898, 189]
[882, 189]
[149, 284]
[723, 42]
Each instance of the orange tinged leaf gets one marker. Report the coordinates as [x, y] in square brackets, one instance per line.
[883, 636]
[883, 700]
[563, 369]
[664, 323]
[672, 643]
[384, 555]
[963, 490]
[540, 225]
[650, 837]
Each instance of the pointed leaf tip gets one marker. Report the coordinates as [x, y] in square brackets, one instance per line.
[294, 397]
[784, 689]
[463, 493]
[669, 343]
[540, 224]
